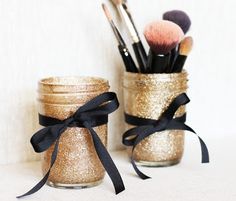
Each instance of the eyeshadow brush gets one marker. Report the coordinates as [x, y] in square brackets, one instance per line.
[184, 50]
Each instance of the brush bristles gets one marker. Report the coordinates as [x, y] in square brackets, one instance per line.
[180, 18]
[163, 36]
[117, 2]
[106, 11]
[186, 46]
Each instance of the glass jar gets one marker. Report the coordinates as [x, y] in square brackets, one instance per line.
[77, 164]
[148, 96]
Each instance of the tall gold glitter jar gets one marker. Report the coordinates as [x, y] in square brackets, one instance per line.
[77, 164]
[148, 96]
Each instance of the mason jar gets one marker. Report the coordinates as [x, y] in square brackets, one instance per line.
[148, 96]
[77, 164]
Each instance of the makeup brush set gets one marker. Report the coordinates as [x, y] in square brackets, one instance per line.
[155, 89]
[169, 47]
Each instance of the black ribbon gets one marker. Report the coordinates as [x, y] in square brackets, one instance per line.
[146, 127]
[93, 113]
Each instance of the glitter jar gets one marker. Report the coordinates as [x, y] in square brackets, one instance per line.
[148, 96]
[77, 164]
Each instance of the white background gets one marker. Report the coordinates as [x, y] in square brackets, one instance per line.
[40, 38]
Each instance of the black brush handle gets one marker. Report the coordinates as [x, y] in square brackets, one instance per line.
[173, 57]
[179, 63]
[157, 63]
[127, 59]
[141, 56]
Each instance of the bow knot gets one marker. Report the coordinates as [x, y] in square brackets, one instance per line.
[80, 117]
[93, 113]
[69, 121]
[161, 124]
[146, 127]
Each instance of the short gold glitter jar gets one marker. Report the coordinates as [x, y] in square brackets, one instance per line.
[77, 164]
[148, 96]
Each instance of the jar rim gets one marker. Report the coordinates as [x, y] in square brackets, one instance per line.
[72, 84]
[72, 81]
[159, 76]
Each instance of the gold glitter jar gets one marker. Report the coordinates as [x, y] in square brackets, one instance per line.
[77, 164]
[148, 96]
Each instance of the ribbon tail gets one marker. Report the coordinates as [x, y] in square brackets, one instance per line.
[139, 173]
[205, 153]
[204, 149]
[39, 185]
[106, 161]
[145, 131]
[177, 125]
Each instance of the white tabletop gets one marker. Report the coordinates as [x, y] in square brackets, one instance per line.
[188, 181]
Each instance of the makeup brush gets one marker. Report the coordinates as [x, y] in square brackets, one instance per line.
[138, 48]
[162, 36]
[178, 17]
[125, 6]
[185, 48]
[182, 19]
[127, 58]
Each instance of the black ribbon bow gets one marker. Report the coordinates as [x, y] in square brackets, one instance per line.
[147, 127]
[93, 113]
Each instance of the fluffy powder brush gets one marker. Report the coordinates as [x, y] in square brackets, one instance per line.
[162, 36]
[180, 18]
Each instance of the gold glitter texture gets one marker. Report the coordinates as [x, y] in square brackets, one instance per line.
[148, 96]
[77, 163]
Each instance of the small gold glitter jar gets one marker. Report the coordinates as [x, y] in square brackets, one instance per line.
[148, 96]
[77, 164]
